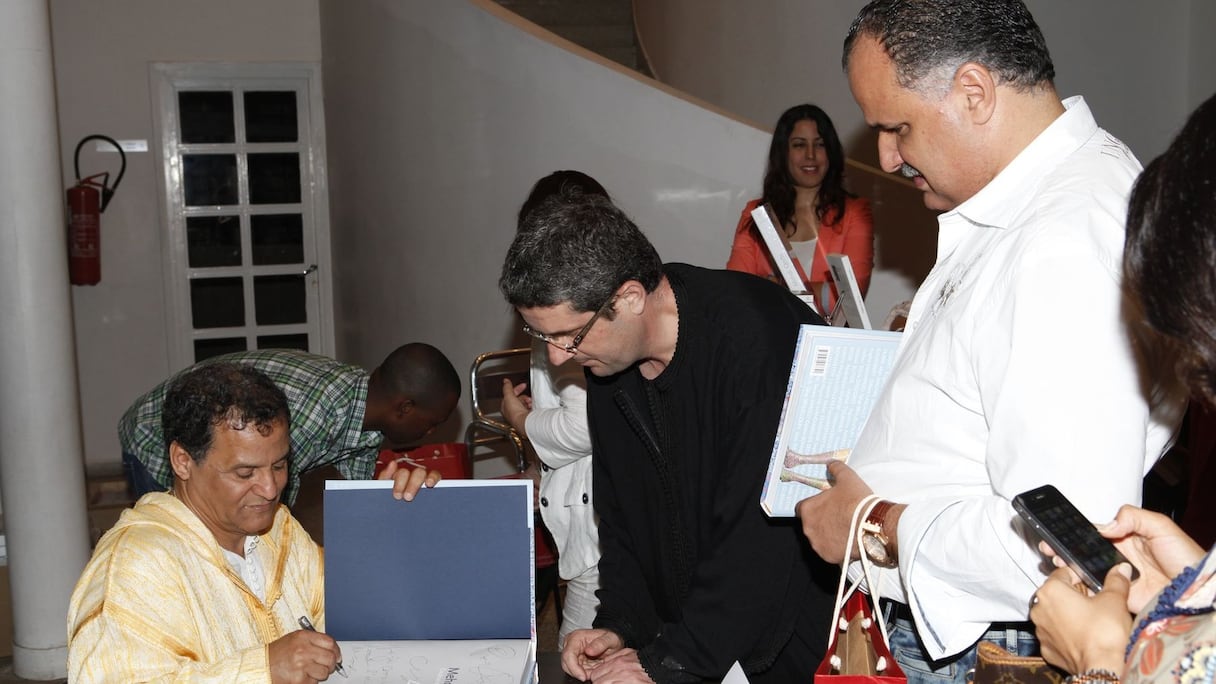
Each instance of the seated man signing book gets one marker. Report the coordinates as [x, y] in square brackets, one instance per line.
[686, 374]
[212, 580]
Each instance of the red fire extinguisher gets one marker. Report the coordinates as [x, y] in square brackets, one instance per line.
[86, 200]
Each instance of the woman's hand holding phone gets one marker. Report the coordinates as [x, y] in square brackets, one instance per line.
[1079, 630]
[1155, 545]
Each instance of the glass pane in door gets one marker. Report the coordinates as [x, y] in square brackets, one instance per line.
[217, 302]
[213, 241]
[205, 349]
[206, 116]
[277, 239]
[270, 116]
[299, 341]
[279, 299]
[210, 179]
[274, 178]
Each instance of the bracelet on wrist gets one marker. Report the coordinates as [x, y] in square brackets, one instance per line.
[1093, 675]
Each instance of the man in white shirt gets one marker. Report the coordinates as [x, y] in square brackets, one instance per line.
[1017, 368]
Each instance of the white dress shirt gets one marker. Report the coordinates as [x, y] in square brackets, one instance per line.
[1016, 369]
[249, 566]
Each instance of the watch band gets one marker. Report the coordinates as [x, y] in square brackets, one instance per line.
[874, 537]
[876, 520]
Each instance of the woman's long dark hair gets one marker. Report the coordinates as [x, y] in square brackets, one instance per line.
[1171, 243]
[779, 184]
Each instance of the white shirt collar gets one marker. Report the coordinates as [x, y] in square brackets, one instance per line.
[1001, 200]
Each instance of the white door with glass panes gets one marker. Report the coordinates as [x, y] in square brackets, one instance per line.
[247, 234]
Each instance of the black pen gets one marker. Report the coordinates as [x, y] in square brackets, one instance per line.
[307, 624]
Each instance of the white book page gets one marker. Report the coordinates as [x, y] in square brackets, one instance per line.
[849, 298]
[778, 249]
[487, 661]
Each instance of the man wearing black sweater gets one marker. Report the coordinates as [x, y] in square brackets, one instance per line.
[687, 371]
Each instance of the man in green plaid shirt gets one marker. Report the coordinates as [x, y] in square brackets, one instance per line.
[340, 414]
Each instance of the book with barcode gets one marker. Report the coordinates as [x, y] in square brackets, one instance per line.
[835, 380]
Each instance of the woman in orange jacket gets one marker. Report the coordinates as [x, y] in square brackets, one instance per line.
[804, 185]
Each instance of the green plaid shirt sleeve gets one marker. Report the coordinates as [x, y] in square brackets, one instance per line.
[140, 434]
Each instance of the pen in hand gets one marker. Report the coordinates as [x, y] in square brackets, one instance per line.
[305, 623]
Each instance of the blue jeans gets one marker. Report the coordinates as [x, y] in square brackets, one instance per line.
[138, 477]
[906, 647]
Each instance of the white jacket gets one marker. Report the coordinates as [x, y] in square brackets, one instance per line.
[557, 428]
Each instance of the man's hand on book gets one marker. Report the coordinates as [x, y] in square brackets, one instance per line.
[827, 515]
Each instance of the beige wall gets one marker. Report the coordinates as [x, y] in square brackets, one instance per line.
[1129, 58]
[102, 53]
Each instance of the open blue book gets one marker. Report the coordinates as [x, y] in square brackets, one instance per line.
[836, 377]
[438, 589]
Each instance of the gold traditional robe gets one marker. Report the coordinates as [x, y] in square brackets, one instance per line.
[158, 602]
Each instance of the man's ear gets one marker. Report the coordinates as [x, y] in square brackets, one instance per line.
[976, 87]
[403, 407]
[633, 295]
[180, 460]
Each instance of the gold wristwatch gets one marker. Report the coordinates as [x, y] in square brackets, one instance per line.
[874, 539]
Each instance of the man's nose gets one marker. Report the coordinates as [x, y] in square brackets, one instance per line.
[267, 485]
[558, 356]
[888, 152]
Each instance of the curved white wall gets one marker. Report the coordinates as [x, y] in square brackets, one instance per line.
[759, 64]
[1137, 63]
[442, 114]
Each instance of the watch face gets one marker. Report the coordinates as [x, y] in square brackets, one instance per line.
[876, 549]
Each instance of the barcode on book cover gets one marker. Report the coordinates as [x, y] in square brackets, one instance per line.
[819, 363]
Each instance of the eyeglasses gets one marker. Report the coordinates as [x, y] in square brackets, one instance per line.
[578, 336]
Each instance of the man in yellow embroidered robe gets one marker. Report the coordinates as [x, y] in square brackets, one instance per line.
[209, 581]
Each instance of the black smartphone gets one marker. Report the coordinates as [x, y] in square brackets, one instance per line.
[1070, 533]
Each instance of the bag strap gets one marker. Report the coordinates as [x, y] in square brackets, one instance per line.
[860, 513]
[867, 568]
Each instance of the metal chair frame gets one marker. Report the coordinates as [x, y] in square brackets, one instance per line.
[498, 430]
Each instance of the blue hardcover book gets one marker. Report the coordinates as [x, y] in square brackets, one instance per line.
[454, 563]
